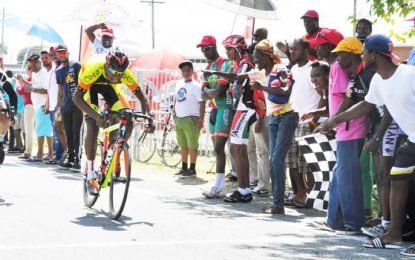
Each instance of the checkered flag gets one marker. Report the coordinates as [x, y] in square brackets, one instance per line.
[320, 154]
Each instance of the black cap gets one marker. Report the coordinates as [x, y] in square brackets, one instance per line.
[33, 56]
[61, 47]
[185, 63]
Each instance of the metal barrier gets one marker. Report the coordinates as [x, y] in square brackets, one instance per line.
[159, 87]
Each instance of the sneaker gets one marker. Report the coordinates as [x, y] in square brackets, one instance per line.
[322, 225]
[236, 196]
[188, 174]
[253, 183]
[348, 231]
[92, 186]
[214, 193]
[65, 165]
[260, 192]
[76, 167]
[180, 172]
[376, 231]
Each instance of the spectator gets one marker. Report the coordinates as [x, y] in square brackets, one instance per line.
[39, 95]
[189, 111]
[274, 80]
[304, 98]
[18, 127]
[72, 117]
[29, 112]
[363, 29]
[215, 88]
[103, 45]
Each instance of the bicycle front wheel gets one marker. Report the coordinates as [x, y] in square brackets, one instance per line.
[89, 199]
[170, 150]
[120, 180]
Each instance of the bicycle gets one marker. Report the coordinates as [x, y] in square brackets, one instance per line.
[115, 169]
[167, 148]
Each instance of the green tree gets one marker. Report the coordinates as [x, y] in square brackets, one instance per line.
[22, 52]
[388, 9]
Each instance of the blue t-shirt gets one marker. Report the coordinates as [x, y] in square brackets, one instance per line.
[68, 78]
[411, 57]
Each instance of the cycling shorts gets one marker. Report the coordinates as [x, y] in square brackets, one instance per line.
[114, 96]
[242, 121]
[220, 121]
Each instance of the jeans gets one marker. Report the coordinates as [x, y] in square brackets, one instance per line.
[281, 131]
[57, 146]
[346, 188]
[72, 122]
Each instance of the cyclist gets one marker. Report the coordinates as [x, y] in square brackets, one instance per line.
[104, 77]
[5, 120]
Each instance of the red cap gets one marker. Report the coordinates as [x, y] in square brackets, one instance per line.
[328, 36]
[310, 13]
[206, 41]
[107, 32]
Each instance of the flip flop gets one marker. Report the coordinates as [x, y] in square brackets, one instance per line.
[377, 243]
[299, 204]
[410, 251]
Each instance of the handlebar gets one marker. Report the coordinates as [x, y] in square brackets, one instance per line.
[129, 113]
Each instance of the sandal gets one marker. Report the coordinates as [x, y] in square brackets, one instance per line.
[24, 156]
[377, 243]
[34, 159]
[299, 204]
[274, 210]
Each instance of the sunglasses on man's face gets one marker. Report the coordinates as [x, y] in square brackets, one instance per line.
[207, 48]
[114, 72]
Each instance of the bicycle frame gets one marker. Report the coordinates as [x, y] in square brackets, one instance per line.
[105, 169]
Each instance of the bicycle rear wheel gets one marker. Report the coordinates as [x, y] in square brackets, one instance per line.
[144, 150]
[120, 181]
[170, 150]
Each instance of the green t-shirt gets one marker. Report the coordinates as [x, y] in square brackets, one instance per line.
[212, 82]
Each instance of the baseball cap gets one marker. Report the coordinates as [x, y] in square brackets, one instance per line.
[206, 41]
[351, 45]
[61, 47]
[381, 44]
[310, 13]
[185, 63]
[45, 51]
[33, 56]
[107, 32]
[328, 36]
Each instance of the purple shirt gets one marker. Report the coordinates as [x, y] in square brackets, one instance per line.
[338, 83]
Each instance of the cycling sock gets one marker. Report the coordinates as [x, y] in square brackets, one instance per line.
[220, 181]
[184, 165]
[193, 166]
[90, 167]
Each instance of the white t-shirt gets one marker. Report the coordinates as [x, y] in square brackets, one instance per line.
[188, 96]
[99, 48]
[304, 96]
[40, 80]
[398, 94]
[52, 88]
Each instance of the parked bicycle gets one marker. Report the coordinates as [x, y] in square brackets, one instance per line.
[115, 170]
[163, 140]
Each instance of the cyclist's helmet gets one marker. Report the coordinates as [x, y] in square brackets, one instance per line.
[117, 60]
[237, 41]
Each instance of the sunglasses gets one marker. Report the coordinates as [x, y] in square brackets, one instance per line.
[114, 72]
[207, 48]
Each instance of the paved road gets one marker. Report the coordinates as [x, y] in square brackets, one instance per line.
[43, 217]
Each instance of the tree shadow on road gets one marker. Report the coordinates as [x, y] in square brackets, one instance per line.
[217, 208]
[321, 247]
[4, 203]
[101, 219]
